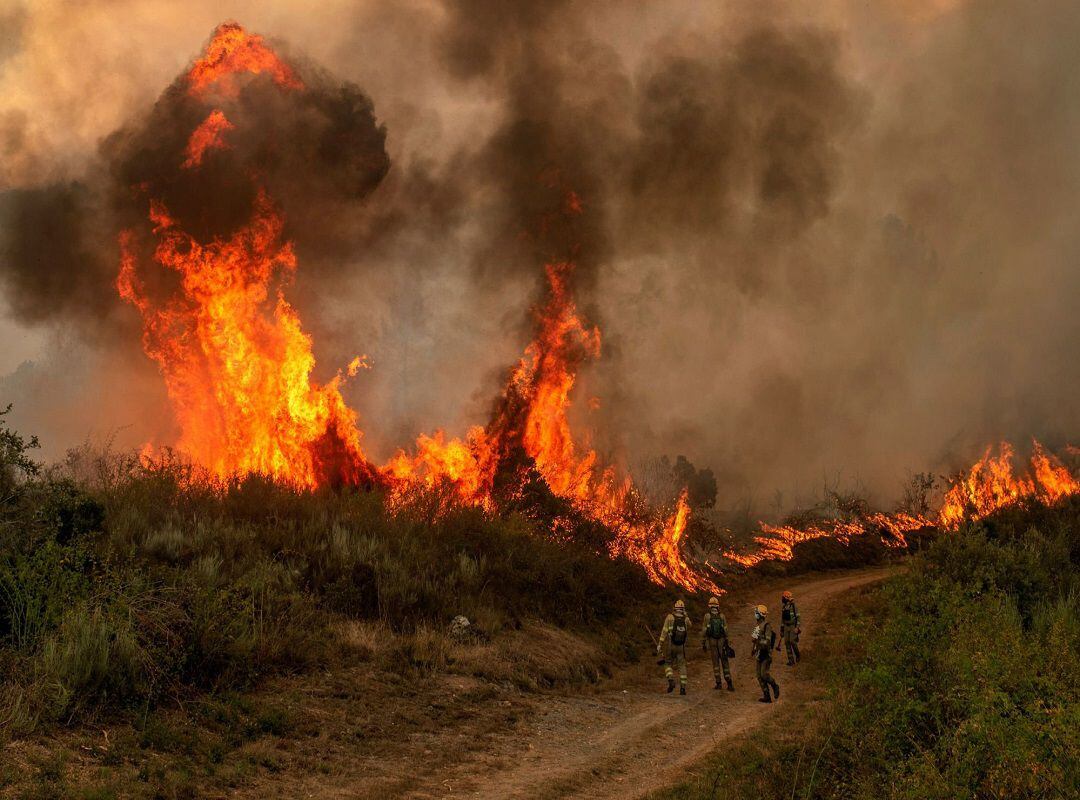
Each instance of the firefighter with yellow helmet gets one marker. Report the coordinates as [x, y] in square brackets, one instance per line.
[674, 635]
[714, 641]
[763, 640]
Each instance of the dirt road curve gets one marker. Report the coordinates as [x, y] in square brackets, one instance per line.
[619, 744]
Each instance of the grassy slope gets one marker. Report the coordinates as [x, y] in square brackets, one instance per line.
[142, 603]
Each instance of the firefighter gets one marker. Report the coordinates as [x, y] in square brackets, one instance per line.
[714, 640]
[789, 628]
[675, 633]
[763, 640]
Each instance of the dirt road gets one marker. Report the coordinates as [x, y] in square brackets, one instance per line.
[620, 743]
[374, 735]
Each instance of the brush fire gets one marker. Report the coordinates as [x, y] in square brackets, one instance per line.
[452, 384]
[208, 268]
[237, 363]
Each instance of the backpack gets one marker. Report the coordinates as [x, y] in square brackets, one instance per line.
[716, 627]
[678, 630]
[789, 614]
[767, 635]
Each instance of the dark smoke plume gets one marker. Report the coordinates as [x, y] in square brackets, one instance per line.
[318, 150]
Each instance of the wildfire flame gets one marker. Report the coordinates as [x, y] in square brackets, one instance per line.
[533, 414]
[233, 51]
[988, 486]
[661, 555]
[208, 136]
[991, 485]
[236, 361]
[237, 366]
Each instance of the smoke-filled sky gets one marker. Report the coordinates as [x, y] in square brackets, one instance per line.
[820, 239]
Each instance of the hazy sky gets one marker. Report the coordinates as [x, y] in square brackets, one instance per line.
[824, 238]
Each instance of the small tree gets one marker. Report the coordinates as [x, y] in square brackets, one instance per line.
[918, 494]
[700, 483]
[15, 462]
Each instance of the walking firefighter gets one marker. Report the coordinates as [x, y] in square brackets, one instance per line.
[674, 635]
[763, 640]
[789, 628]
[714, 641]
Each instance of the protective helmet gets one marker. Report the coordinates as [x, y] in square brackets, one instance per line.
[761, 610]
[714, 602]
[680, 605]
[786, 594]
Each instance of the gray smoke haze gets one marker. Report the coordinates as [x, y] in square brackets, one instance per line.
[818, 243]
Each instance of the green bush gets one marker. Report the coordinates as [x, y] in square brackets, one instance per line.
[37, 587]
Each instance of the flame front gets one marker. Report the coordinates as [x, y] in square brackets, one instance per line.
[533, 415]
[990, 485]
[236, 360]
[238, 368]
[662, 555]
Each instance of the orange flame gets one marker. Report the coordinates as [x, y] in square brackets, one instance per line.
[662, 556]
[544, 379]
[465, 466]
[232, 51]
[988, 486]
[237, 366]
[236, 361]
[208, 136]
[534, 414]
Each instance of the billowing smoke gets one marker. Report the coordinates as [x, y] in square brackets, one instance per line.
[821, 245]
[317, 150]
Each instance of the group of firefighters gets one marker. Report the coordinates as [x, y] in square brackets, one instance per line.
[715, 641]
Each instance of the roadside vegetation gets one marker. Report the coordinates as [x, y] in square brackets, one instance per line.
[959, 678]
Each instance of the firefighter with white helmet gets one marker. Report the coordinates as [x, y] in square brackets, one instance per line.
[674, 635]
[763, 640]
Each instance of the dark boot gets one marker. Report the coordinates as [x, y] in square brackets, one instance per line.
[730, 685]
[791, 662]
[798, 657]
[765, 698]
[718, 684]
[682, 690]
[776, 689]
[670, 685]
